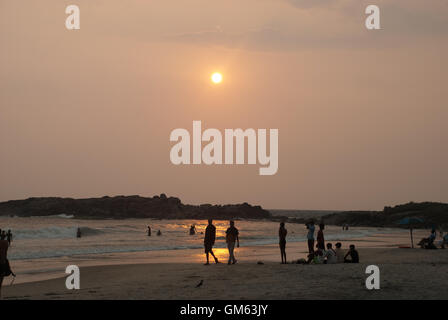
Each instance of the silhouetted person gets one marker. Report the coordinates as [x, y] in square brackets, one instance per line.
[320, 237]
[9, 237]
[3, 235]
[149, 231]
[282, 232]
[209, 240]
[444, 241]
[192, 230]
[159, 233]
[78, 233]
[310, 236]
[231, 238]
[4, 265]
[317, 257]
[354, 256]
[339, 252]
[432, 237]
[330, 255]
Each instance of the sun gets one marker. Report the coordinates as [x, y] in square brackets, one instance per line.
[216, 77]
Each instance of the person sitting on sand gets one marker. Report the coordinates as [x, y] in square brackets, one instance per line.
[320, 237]
[192, 230]
[444, 241]
[232, 236]
[432, 237]
[354, 256]
[159, 233]
[339, 253]
[330, 255]
[78, 233]
[318, 257]
[209, 241]
[428, 243]
[282, 232]
[310, 258]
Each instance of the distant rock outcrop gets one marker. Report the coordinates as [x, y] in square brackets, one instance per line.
[121, 207]
[432, 213]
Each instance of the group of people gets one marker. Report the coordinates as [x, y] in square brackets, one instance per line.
[322, 254]
[430, 242]
[325, 253]
[232, 239]
[159, 233]
[332, 256]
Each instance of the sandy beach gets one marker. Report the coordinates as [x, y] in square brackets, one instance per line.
[405, 274]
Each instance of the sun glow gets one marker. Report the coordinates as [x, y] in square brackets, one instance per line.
[216, 77]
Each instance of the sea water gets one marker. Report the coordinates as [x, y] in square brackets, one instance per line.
[55, 236]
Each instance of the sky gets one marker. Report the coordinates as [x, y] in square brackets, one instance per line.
[362, 114]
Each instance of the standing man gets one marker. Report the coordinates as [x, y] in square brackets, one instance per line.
[4, 266]
[149, 231]
[231, 238]
[282, 232]
[310, 236]
[320, 237]
[209, 241]
[9, 237]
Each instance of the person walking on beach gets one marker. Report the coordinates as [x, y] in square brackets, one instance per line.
[282, 232]
[149, 231]
[320, 237]
[209, 241]
[231, 238]
[4, 268]
[310, 236]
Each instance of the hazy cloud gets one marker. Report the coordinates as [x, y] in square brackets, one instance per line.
[307, 4]
[402, 23]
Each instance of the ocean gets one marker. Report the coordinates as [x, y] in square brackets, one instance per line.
[55, 236]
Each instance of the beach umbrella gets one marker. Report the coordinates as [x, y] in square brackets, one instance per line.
[411, 222]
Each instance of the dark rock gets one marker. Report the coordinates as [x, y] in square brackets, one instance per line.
[121, 207]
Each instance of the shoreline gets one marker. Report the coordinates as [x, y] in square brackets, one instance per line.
[40, 269]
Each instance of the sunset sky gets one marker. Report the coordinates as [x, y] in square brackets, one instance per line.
[362, 114]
